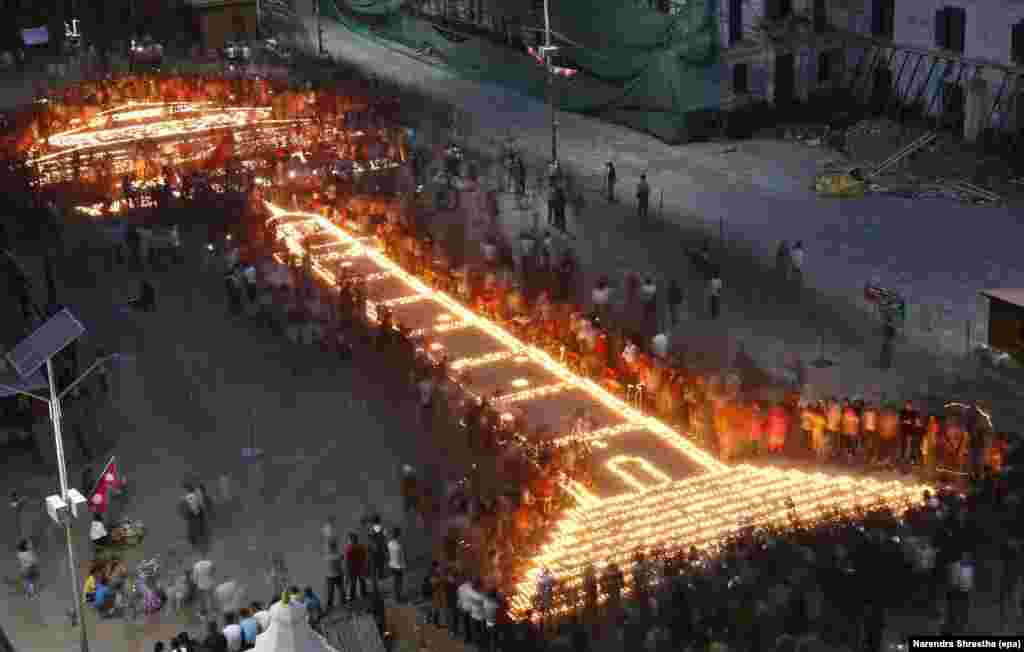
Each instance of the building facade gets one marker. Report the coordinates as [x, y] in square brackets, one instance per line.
[959, 59]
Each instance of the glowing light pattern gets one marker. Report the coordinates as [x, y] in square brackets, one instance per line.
[601, 434]
[482, 361]
[441, 328]
[616, 464]
[376, 276]
[531, 394]
[223, 118]
[402, 301]
[697, 511]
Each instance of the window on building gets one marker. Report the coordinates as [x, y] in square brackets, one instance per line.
[883, 18]
[826, 65]
[950, 28]
[776, 9]
[740, 79]
[1017, 43]
[735, 21]
[820, 16]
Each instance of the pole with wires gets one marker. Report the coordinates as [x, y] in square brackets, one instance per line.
[548, 50]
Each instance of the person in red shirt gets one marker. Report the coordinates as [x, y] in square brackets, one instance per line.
[356, 562]
[777, 426]
[756, 421]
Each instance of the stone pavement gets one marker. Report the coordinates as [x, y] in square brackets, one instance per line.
[200, 389]
[760, 189]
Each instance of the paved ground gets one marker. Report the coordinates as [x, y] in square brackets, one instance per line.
[755, 196]
[201, 385]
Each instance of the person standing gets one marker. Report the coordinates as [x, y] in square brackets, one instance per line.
[715, 294]
[356, 563]
[909, 418]
[796, 258]
[885, 357]
[450, 587]
[191, 507]
[203, 573]
[409, 487]
[783, 259]
[643, 195]
[378, 552]
[649, 303]
[335, 579]
[397, 563]
[610, 179]
[560, 201]
[464, 605]
[475, 601]
[28, 563]
[958, 600]
[674, 299]
[329, 533]
[520, 170]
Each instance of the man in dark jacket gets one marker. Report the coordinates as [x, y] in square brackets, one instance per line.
[610, 179]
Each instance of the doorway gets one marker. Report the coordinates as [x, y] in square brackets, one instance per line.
[954, 106]
[785, 79]
[735, 21]
[881, 89]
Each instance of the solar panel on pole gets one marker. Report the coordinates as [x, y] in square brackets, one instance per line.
[45, 342]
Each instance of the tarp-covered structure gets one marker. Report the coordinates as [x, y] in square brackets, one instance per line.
[650, 71]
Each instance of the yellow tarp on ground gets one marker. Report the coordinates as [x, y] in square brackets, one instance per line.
[839, 185]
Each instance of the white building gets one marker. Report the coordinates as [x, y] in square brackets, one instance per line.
[949, 57]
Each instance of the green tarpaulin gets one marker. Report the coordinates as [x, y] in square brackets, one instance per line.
[639, 67]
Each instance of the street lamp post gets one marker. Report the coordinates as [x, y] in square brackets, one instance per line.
[548, 49]
[27, 358]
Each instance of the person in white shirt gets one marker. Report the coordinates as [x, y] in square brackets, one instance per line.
[229, 597]
[491, 605]
[233, 632]
[475, 602]
[203, 573]
[659, 346]
[396, 562]
[463, 593]
[600, 296]
[29, 565]
[98, 531]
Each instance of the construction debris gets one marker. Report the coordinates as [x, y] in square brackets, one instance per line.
[843, 184]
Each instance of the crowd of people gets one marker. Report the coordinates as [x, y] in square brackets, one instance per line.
[490, 535]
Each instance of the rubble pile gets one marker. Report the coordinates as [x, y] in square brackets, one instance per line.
[944, 168]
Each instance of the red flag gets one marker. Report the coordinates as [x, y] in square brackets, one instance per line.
[110, 480]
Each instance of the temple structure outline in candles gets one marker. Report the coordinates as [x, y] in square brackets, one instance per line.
[664, 491]
[653, 488]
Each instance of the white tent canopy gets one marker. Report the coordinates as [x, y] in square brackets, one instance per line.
[289, 631]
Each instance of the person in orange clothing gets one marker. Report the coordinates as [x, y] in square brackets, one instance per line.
[778, 425]
[833, 423]
[756, 426]
[850, 429]
[869, 432]
[888, 434]
[725, 423]
[819, 442]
